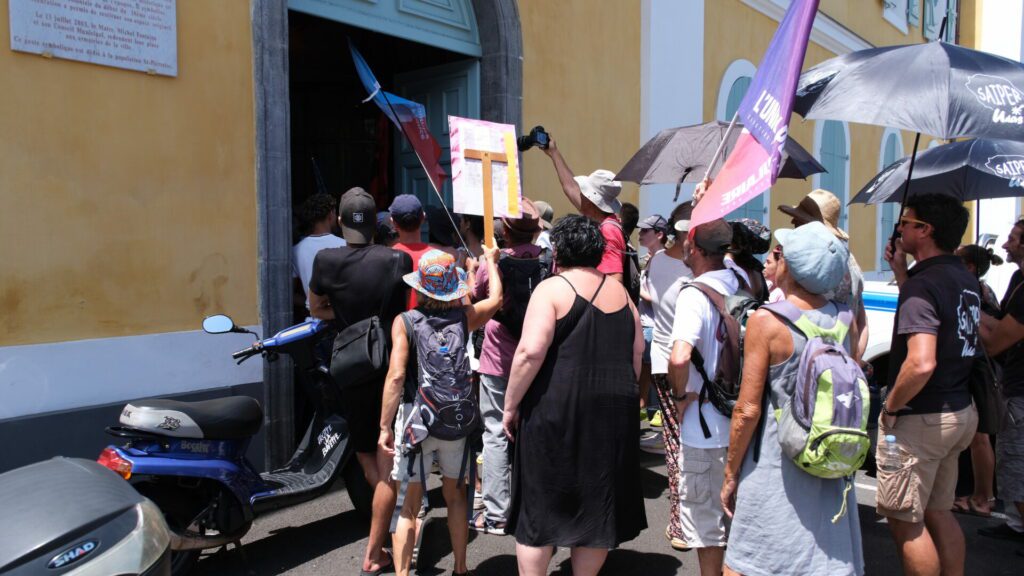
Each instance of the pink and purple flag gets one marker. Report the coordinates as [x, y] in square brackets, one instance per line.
[409, 117]
[754, 163]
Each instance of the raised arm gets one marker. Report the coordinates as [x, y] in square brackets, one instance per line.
[565, 175]
[479, 313]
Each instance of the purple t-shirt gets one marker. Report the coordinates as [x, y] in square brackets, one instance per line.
[499, 344]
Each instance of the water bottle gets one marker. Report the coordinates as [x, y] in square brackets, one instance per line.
[893, 459]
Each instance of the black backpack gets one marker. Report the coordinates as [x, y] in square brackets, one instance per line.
[519, 277]
[631, 273]
[734, 311]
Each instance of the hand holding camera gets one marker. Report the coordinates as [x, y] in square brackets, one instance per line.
[537, 137]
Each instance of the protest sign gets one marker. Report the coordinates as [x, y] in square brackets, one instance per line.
[485, 170]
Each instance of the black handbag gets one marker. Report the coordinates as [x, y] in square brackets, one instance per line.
[987, 391]
[360, 352]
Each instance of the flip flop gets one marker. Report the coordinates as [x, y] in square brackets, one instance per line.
[975, 511]
[970, 510]
[383, 569]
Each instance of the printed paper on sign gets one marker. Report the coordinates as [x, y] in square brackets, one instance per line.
[467, 173]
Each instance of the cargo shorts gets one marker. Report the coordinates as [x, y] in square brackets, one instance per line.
[702, 520]
[925, 478]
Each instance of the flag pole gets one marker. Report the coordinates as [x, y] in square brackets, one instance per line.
[714, 159]
[427, 172]
[721, 145]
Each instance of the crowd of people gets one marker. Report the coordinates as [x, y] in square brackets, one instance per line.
[545, 353]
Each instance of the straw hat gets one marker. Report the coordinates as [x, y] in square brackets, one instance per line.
[818, 206]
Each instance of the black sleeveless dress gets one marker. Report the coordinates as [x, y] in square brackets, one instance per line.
[576, 472]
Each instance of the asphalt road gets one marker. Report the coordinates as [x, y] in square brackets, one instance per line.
[327, 536]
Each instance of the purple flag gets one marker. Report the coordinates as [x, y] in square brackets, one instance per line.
[766, 108]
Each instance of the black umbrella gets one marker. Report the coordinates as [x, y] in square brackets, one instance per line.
[936, 88]
[677, 155]
[969, 170]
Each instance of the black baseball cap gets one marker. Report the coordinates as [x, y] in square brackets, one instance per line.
[358, 216]
[655, 222]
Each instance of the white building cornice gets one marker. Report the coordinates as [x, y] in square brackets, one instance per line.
[827, 33]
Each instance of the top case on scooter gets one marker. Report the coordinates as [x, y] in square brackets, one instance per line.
[218, 419]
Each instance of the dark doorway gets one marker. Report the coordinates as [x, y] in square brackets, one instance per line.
[352, 142]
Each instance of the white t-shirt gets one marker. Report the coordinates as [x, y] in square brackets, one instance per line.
[695, 323]
[665, 277]
[303, 254]
[544, 240]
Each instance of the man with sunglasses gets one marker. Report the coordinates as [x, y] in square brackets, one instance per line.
[1005, 335]
[928, 409]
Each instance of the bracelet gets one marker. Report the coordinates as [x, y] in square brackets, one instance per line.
[887, 412]
[679, 398]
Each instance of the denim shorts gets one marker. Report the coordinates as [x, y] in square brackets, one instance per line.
[648, 336]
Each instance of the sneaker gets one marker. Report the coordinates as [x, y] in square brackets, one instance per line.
[656, 420]
[643, 415]
[653, 443]
[478, 500]
[1001, 532]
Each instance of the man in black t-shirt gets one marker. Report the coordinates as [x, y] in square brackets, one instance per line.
[929, 409]
[1007, 335]
[350, 284]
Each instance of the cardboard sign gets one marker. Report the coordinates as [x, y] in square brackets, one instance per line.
[478, 147]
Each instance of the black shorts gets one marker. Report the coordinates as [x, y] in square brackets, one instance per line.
[362, 412]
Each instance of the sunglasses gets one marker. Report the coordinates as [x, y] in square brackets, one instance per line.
[904, 220]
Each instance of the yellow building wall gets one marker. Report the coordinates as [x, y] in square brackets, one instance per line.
[129, 200]
[735, 31]
[581, 81]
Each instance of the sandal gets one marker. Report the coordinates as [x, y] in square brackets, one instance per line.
[479, 522]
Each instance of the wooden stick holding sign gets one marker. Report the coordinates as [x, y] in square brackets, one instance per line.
[485, 171]
[486, 158]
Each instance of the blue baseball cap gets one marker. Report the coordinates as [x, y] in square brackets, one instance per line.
[405, 205]
[815, 258]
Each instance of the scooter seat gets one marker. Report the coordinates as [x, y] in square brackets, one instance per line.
[218, 419]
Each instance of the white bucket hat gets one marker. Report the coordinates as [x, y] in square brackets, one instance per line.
[602, 189]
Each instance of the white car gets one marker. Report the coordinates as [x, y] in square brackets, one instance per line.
[880, 306]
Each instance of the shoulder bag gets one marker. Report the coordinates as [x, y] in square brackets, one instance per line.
[360, 352]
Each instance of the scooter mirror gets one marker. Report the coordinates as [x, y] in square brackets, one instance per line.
[219, 324]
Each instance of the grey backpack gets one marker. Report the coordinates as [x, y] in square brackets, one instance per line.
[443, 406]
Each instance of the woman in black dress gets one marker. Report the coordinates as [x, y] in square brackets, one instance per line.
[572, 409]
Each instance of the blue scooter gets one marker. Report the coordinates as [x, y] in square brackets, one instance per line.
[189, 457]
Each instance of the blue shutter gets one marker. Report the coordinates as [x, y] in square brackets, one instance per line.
[755, 208]
[887, 218]
[834, 157]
